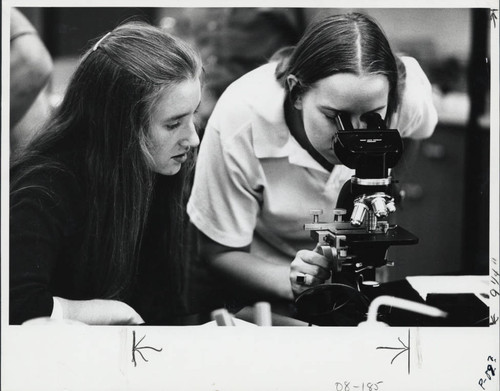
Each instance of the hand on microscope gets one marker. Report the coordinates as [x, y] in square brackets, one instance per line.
[308, 269]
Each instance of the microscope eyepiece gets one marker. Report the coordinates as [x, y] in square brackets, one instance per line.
[373, 121]
[343, 121]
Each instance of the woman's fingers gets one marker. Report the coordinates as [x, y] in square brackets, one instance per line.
[308, 269]
[308, 280]
[313, 263]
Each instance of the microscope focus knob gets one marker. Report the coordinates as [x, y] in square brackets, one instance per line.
[316, 213]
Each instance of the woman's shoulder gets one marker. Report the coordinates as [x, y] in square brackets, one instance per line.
[254, 97]
[414, 74]
[263, 72]
[417, 115]
[252, 87]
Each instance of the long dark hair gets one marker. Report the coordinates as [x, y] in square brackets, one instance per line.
[348, 43]
[104, 117]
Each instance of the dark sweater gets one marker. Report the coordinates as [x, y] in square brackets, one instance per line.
[46, 230]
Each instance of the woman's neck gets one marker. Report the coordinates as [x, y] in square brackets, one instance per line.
[293, 119]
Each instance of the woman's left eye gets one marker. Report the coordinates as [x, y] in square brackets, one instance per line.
[331, 116]
[173, 125]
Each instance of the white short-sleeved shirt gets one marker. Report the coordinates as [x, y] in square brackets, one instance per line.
[254, 184]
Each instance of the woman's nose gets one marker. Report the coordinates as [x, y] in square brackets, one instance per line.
[357, 123]
[192, 139]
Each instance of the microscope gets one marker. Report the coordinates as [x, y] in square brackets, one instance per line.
[357, 240]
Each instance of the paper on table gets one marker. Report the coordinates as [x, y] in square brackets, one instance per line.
[477, 285]
[237, 322]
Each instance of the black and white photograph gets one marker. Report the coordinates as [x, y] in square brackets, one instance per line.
[226, 196]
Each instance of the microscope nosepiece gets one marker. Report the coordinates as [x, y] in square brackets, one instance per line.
[379, 207]
[358, 213]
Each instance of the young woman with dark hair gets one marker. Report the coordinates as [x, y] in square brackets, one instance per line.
[97, 198]
[267, 157]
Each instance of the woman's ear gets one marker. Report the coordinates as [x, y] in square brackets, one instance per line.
[293, 85]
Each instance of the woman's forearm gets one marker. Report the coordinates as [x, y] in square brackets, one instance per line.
[254, 274]
[99, 312]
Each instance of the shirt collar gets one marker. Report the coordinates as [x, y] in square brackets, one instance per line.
[271, 136]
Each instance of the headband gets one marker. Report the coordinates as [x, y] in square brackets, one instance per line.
[96, 46]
